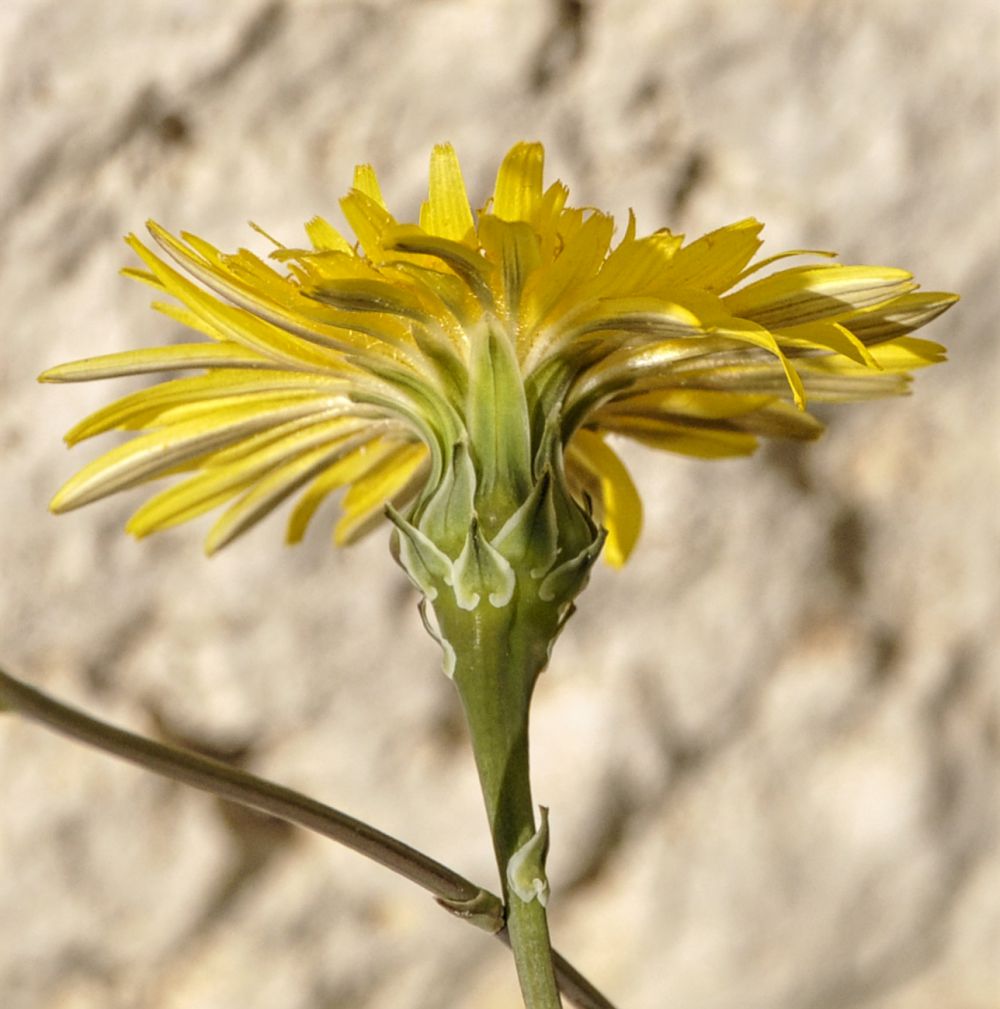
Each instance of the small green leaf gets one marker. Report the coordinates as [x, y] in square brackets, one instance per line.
[526, 867]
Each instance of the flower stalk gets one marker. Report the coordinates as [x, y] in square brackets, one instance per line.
[499, 547]
[498, 661]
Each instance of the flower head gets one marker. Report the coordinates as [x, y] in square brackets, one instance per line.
[468, 369]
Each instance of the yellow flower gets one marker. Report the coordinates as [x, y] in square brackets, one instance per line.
[507, 341]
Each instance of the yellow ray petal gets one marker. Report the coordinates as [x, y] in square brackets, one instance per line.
[189, 319]
[351, 467]
[903, 354]
[826, 380]
[640, 266]
[758, 336]
[350, 421]
[371, 491]
[176, 357]
[358, 295]
[579, 261]
[551, 219]
[826, 335]
[474, 269]
[702, 404]
[151, 455]
[778, 257]
[205, 410]
[620, 504]
[704, 409]
[257, 323]
[211, 487]
[325, 237]
[369, 220]
[714, 261]
[652, 317]
[898, 317]
[807, 293]
[513, 247]
[779, 419]
[446, 213]
[518, 192]
[329, 480]
[366, 181]
[703, 443]
[266, 494]
[222, 386]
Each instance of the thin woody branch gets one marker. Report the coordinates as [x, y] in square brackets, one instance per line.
[454, 892]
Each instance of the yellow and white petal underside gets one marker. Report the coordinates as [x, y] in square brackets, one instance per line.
[258, 323]
[353, 466]
[378, 485]
[217, 483]
[151, 455]
[700, 409]
[177, 357]
[807, 293]
[267, 493]
[699, 404]
[899, 317]
[222, 387]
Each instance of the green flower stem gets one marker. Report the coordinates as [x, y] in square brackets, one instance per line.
[498, 658]
[457, 894]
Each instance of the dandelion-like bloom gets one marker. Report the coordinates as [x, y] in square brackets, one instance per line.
[461, 376]
[443, 367]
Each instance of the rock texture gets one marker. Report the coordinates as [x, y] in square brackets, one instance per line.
[770, 744]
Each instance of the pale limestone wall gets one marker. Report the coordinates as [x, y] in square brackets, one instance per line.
[770, 744]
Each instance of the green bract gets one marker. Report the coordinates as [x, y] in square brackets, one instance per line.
[502, 528]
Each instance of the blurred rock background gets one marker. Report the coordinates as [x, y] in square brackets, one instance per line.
[770, 744]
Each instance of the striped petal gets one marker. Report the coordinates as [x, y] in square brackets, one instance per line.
[216, 484]
[221, 388]
[178, 357]
[805, 294]
[151, 455]
[381, 483]
[269, 492]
